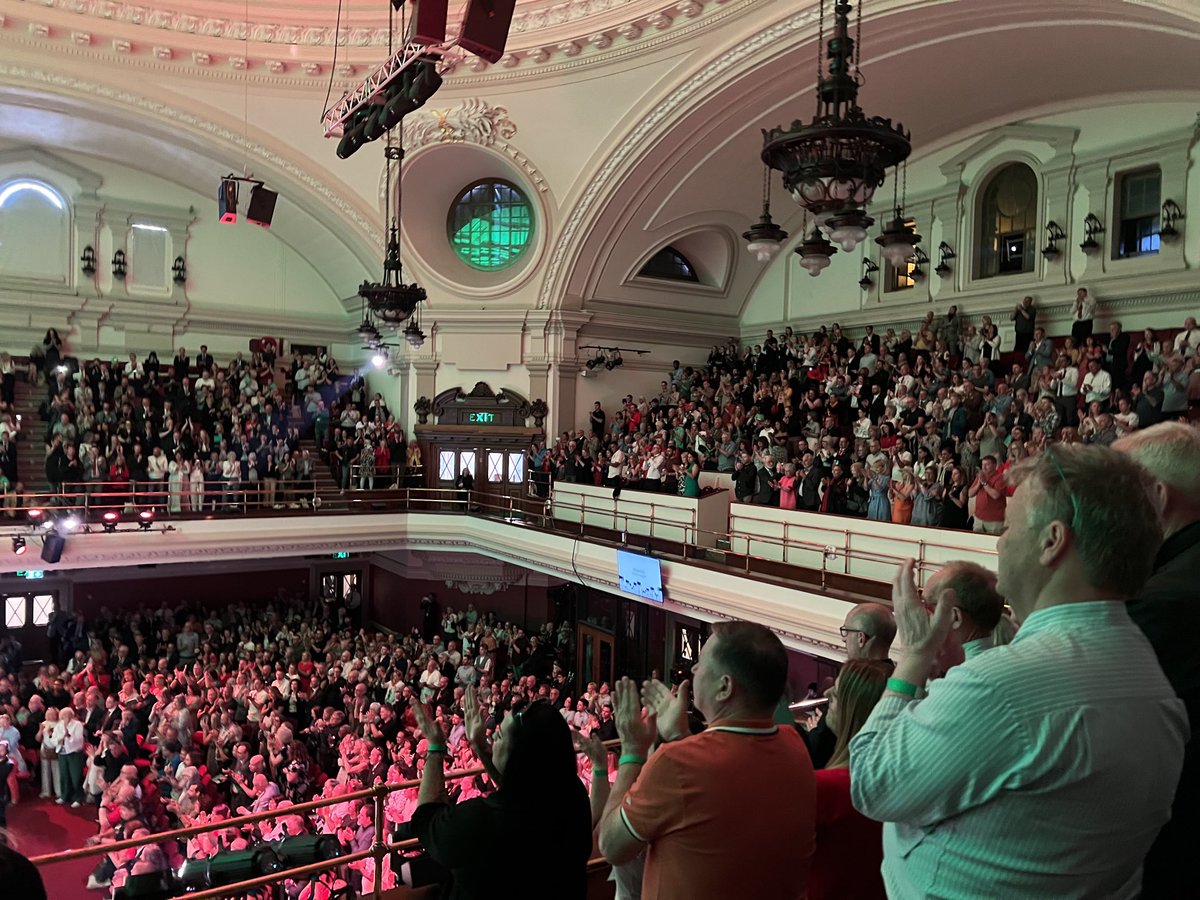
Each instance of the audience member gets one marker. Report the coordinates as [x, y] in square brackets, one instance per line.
[1011, 778]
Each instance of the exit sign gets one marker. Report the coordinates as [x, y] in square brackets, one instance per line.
[32, 574]
[342, 554]
[483, 418]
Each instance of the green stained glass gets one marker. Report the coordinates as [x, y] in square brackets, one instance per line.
[490, 225]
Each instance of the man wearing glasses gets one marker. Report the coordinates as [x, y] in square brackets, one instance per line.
[1013, 776]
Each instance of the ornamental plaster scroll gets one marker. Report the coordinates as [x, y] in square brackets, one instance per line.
[473, 121]
[66, 84]
[650, 25]
[681, 99]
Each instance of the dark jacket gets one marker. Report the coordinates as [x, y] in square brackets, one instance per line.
[1168, 612]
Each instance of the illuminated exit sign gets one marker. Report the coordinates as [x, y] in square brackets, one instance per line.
[483, 418]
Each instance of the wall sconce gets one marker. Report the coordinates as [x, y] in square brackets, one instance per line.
[1171, 213]
[118, 265]
[179, 270]
[868, 267]
[88, 261]
[1092, 226]
[945, 254]
[1054, 234]
[920, 258]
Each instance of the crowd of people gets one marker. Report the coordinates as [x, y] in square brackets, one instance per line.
[189, 435]
[909, 428]
[175, 717]
[976, 741]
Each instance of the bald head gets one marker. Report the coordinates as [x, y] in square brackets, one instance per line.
[870, 629]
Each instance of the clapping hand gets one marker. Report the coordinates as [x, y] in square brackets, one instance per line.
[920, 632]
[670, 707]
[592, 747]
[635, 729]
[473, 718]
[426, 722]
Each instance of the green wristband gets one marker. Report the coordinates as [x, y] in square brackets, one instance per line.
[434, 748]
[900, 686]
[631, 758]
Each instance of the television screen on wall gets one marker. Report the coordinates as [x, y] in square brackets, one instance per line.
[640, 575]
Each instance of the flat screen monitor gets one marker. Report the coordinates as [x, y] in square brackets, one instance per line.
[640, 575]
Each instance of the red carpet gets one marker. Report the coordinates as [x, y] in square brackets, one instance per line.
[41, 826]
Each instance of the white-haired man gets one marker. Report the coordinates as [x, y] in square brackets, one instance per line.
[1167, 611]
[1013, 777]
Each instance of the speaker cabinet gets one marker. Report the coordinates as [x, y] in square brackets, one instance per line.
[52, 547]
[485, 27]
[429, 22]
[227, 198]
[262, 206]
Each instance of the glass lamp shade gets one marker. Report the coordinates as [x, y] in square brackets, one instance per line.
[763, 250]
[848, 236]
[815, 253]
[815, 265]
[764, 238]
[898, 253]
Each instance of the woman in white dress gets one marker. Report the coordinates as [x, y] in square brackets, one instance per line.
[175, 485]
[195, 477]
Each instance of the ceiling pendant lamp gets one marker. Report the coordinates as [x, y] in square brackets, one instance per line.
[833, 164]
[815, 252]
[898, 242]
[765, 238]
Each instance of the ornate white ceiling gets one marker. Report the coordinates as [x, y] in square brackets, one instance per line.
[294, 40]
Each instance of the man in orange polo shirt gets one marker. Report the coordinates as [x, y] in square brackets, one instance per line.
[726, 813]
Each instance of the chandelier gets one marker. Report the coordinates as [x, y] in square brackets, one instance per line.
[833, 165]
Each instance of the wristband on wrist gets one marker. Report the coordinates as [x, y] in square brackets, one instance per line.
[631, 758]
[600, 773]
[434, 748]
[900, 686]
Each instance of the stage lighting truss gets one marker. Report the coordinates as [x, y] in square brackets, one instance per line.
[334, 118]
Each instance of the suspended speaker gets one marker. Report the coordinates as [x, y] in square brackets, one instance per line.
[262, 206]
[227, 198]
[52, 547]
[485, 27]
[429, 22]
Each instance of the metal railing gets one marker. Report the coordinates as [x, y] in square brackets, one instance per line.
[379, 849]
[552, 514]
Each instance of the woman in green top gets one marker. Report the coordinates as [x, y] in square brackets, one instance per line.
[691, 475]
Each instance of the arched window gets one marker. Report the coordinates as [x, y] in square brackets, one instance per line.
[670, 264]
[35, 231]
[1008, 222]
[490, 224]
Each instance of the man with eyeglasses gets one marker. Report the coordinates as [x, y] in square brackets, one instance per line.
[1013, 777]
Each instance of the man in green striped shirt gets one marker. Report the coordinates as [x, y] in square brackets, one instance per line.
[1013, 777]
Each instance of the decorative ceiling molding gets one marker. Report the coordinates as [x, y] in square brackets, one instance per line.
[554, 38]
[27, 77]
[569, 240]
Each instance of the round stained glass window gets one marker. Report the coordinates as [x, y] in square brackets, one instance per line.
[490, 225]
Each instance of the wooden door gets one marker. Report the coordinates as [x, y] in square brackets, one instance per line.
[594, 649]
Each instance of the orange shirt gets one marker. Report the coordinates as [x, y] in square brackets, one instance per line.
[727, 813]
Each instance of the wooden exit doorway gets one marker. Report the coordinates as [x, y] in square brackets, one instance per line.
[594, 651]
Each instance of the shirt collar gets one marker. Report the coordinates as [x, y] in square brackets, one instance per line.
[1184, 539]
[744, 726]
[974, 648]
[1068, 615]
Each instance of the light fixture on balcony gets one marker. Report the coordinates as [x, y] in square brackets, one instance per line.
[833, 164]
[765, 237]
[88, 261]
[179, 270]
[119, 265]
[945, 254]
[1092, 226]
[920, 258]
[1171, 213]
[869, 266]
[1054, 234]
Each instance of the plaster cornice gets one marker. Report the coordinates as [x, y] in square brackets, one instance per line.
[548, 39]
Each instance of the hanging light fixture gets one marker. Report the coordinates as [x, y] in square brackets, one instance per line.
[833, 164]
[391, 300]
[765, 237]
[815, 252]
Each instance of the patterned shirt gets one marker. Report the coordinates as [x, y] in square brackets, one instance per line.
[1043, 768]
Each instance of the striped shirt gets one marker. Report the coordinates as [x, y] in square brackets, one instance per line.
[1044, 768]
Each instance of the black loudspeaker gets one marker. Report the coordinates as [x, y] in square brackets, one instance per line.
[52, 547]
[262, 206]
[485, 27]
[227, 198]
[429, 22]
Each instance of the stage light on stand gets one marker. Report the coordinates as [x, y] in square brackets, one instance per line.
[109, 521]
[18, 544]
[146, 519]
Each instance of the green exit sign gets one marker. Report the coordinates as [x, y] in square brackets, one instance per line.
[484, 418]
[342, 554]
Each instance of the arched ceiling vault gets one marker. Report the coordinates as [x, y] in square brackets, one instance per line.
[944, 69]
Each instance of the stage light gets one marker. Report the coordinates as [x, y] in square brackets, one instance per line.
[145, 519]
[229, 868]
[35, 515]
[378, 360]
[110, 520]
[69, 523]
[18, 543]
[227, 200]
[306, 849]
[148, 886]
